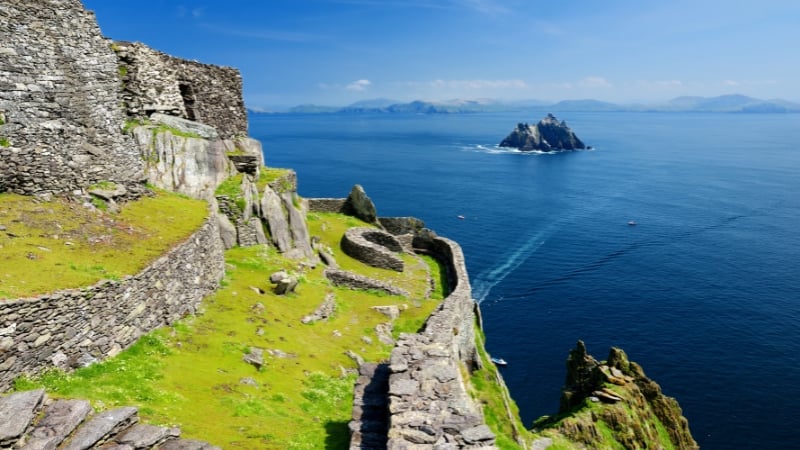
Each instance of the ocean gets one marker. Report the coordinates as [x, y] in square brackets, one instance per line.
[703, 292]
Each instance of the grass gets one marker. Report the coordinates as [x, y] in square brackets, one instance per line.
[4, 142]
[191, 374]
[494, 398]
[231, 187]
[52, 245]
[271, 174]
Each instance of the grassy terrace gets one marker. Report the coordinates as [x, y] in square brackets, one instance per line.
[46, 246]
[192, 374]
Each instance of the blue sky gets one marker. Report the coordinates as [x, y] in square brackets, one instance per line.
[335, 52]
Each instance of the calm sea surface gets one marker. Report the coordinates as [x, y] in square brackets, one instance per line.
[704, 292]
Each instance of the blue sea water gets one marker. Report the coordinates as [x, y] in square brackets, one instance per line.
[704, 292]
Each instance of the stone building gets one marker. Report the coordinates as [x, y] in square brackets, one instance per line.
[154, 82]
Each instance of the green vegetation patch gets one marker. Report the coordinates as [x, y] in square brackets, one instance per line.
[46, 246]
[192, 374]
[270, 175]
[499, 410]
[4, 142]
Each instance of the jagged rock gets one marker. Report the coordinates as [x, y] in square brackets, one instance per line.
[548, 135]
[101, 426]
[16, 412]
[276, 220]
[297, 225]
[59, 420]
[358, 204]
[186, 126]
[255, 357]
[582, 378]
[227, 231]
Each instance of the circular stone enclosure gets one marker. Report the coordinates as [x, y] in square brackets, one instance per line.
[374, 247]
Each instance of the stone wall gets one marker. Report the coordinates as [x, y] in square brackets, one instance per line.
[331, 205]
[374, 247]
[59, 101]
[429, 405]
[155, 82]
[74, 327]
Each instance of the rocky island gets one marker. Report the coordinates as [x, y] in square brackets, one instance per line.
[370, 338]
[549, 135]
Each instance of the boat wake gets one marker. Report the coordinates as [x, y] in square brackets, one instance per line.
[487, 280]
[496, 150]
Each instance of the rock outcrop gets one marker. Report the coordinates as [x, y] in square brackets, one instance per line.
[616, 395]
[549, 135]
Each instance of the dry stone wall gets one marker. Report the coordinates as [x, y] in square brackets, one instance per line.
[429, 405]
[59, 101]
[155, 82]
[74, 327]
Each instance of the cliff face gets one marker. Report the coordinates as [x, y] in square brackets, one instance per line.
[548, 135]
[612, 403]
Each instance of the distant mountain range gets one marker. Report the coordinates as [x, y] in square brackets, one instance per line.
[725, 103]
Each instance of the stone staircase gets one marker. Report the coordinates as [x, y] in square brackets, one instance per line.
[31, 421]
[370, 423]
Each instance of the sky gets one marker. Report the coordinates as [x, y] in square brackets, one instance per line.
[336, 52]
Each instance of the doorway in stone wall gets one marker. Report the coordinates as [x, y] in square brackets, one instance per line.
[188, 100]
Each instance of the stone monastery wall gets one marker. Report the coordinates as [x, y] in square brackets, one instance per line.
[71, 328]
[156, 82]
[61, 120]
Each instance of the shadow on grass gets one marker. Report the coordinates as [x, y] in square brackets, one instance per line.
[337, 435]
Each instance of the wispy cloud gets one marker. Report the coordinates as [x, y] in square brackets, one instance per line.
[594, 82]
[358, 85]
[731, 83]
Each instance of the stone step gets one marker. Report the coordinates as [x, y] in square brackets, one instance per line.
[60, 419]
[102, 426]
[16, 413]
[29, 421]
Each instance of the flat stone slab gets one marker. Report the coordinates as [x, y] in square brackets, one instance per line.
[102, 426]
[187, 444]
[16, 412]
[145, 436]
[60, 419]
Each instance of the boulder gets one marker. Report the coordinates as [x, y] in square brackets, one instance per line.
[359, 205]
[284, 283]
[255, 357]
[549, 135]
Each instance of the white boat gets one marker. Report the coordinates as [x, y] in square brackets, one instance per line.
[631, 222]
[499, 361]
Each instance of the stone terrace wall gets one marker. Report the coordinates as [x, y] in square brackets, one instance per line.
[157, 82]
[73, 327]
[60, 100]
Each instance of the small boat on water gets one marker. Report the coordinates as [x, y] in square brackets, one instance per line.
[499, 361]
[461, 217]
[632, 222]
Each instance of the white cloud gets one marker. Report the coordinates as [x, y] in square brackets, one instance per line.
[358, 85]
[730, 83]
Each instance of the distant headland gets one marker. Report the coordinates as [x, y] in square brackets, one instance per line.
[720, 104]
